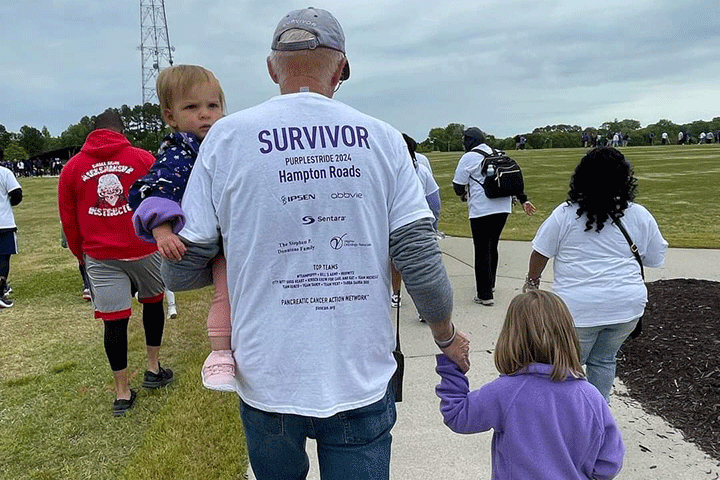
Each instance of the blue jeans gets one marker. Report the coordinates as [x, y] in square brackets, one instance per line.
[354, 444]
[598, 347]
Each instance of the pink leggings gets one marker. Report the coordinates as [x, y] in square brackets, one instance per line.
[218, 321]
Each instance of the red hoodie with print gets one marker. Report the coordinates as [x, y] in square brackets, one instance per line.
[92, 197]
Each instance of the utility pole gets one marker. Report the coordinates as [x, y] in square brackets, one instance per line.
[155, 49]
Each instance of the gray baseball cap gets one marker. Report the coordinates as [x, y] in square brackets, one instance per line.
[321, 23]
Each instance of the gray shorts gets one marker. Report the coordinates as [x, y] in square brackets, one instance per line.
[111, 282]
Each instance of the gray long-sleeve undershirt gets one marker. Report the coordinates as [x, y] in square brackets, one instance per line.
[416, 254]
[413, 250]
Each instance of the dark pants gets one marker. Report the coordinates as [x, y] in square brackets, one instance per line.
[351, 445]
[486, 235]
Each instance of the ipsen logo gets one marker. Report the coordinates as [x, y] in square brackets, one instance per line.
[340, 195]
[297, 198]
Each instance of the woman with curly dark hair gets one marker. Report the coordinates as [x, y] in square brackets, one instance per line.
[595, 271]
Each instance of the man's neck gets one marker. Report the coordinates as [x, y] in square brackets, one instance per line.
[305, 84]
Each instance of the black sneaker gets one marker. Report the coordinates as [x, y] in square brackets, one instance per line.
[5, 302]
[157, 380]
[121, 406]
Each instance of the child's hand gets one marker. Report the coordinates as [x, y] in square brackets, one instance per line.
[169, 245]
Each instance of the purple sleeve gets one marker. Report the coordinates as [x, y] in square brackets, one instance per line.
[464, 411]
[154, 211]
[612, 451]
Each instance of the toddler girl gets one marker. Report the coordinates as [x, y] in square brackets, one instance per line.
[191, 100]
[549, 422]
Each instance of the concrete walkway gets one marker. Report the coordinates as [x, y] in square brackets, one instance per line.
[423, 448]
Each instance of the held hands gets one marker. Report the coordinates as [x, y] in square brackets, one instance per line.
[529, 208]
[169, 245]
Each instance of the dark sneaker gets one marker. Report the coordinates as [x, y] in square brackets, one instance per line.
[157, 380]
[121, 406]
[8, 290]
[5, 302]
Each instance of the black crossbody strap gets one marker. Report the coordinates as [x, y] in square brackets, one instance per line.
[397, 331]
[633, 247]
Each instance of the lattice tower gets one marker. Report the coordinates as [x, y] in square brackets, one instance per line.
[155, 49]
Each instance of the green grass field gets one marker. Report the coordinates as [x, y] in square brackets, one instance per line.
[56, 386]
[677, 183]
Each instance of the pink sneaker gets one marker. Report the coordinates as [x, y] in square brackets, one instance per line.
[218, 371]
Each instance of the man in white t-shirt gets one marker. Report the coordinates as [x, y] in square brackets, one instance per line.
[311, 199]
[487, 215]
[10, 195]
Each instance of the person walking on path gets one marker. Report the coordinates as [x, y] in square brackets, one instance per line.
[10, 196]
[97, 222]
[308, 274]
[595, 270]
[487, 215]
[548, 421]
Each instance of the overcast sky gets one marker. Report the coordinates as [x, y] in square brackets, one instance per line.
[506, 66]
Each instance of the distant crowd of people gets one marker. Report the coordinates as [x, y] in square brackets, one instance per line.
[619, 139]
[34, 168]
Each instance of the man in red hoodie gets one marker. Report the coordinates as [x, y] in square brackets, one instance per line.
[97, 221]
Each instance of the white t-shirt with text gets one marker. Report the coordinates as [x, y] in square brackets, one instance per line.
[305, 191]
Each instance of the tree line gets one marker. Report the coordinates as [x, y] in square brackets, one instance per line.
[570, 136]
[145, 128]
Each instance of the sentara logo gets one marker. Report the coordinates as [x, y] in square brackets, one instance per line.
[348, 195]
[309, 219]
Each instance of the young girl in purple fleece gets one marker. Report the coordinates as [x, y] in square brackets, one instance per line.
[549, 422]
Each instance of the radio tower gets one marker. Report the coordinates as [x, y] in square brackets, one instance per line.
[155, 49]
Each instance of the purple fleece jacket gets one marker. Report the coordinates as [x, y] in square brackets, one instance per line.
[542, 429]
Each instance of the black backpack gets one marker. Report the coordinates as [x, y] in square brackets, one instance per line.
[507, 180]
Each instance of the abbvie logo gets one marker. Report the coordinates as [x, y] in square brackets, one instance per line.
[339, 195]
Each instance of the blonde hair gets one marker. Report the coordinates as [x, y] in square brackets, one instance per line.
[176, 81]
[538, 328]
[318, 61]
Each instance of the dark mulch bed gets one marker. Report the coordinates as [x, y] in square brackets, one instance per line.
[673, 367]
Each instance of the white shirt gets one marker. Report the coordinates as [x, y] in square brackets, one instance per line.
[479, 205]
[595, 273]
[427, 181]
[8, 183]
[423, 160]
[305, 191]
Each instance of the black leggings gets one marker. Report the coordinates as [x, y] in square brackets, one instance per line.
[4, 266]
[116, 337]
[486, 235]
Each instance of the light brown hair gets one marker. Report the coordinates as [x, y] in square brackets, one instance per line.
[538, 328]
[176, 81]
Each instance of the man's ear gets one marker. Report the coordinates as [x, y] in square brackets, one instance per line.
[338, 72]
[271, 71]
